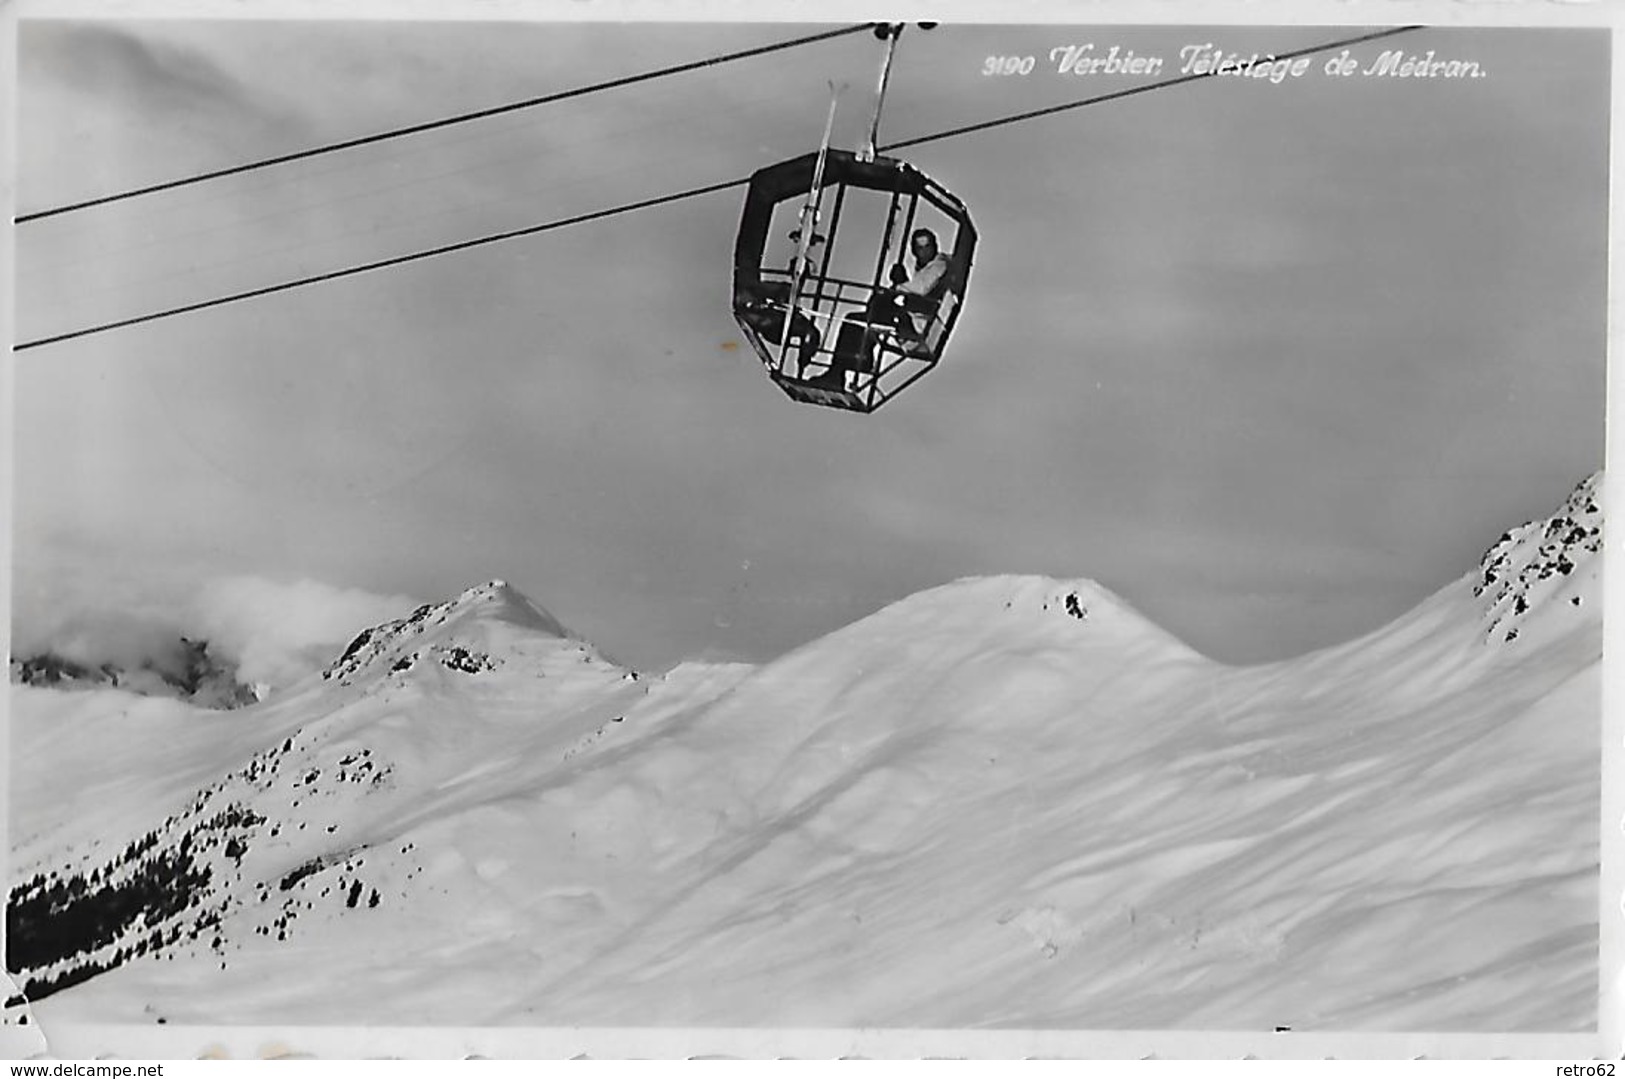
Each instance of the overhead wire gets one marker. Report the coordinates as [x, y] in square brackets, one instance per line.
[1116, 95]
[414, 129]
[304, 247]
[199, 266]
[566, 149]
[398, 260]
[693, 192]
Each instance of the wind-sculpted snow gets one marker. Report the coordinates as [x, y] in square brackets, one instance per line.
[1007, 801]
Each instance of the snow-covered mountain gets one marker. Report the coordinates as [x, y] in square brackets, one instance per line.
[1006, 801]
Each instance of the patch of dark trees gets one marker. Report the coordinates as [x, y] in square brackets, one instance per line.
[134, 901]
[51, 919]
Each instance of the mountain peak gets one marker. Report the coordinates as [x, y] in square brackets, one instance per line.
[1022, 619]
[453, 625]
[500, 600]
[1018, 769]
[1552, 557]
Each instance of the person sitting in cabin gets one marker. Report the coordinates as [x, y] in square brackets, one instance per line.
[910, 294]
[764, 308]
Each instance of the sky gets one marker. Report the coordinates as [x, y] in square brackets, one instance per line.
[1272, 360]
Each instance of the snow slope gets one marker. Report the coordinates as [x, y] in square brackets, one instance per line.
[1003, 802]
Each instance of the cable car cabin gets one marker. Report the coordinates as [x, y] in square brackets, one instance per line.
[848, 280]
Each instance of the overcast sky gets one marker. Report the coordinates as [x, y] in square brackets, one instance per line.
[1272, 361]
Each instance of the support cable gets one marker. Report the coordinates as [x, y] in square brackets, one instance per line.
[481, 114]
[661, 200]
[1131, 91]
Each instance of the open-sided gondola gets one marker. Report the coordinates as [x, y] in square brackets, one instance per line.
[850, 272]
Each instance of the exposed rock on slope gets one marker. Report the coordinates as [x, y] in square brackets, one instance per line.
[1530, 566]
[192, 674]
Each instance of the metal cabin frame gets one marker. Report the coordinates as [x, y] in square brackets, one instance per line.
[776, 308]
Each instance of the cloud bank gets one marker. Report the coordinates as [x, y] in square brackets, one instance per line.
[273, 632]
[278, 632]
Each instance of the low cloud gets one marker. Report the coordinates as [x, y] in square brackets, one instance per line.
[279, 632]
[273, 632]
[77, 606]
[95, 639]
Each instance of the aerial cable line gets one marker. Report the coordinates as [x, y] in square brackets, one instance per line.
[1131, 91]
[431, 125]
[350, 271]
[659, 200]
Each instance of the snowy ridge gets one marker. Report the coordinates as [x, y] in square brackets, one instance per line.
[1003, 801]
[954, 659]
[273, 837]
[1543, 562]
[1540, 584]
[1076, 629]
[396, 643]
[1083, 611]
